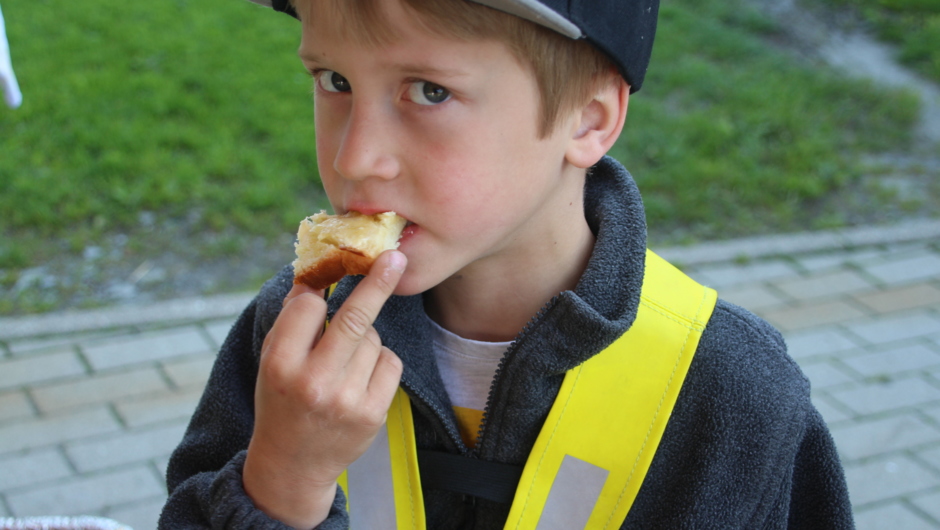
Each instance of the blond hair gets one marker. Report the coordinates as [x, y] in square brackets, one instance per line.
[567, 71]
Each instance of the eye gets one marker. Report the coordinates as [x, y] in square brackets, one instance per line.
[331, 81]
[427, 93]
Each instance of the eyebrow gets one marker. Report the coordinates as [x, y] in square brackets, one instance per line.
[412, 69]
[308, 57]
[421, 70]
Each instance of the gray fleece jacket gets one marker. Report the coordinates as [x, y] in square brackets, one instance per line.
[745, 448]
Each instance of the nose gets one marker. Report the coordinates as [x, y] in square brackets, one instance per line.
[367, 148]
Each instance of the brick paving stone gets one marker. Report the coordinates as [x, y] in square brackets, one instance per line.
[823, 285]
[32, 467]
[719, 276]
[928, 503]
[141, 515]
[51, 430]
[908, 247]
[38, 368]
[906, 269]
[896, 327]
[828, 341]
[887, 478]
[14, 405]
[931, 455]
[824, 374]
[821, 262]
[881, 397]
[218, 331]
[151, 346]
[933, 412]
[894, 361]
[87, 495]
[752, 297]
[827, 260]
[894, 515]
[124, 448]
[98, 389]
[165, 406]
[830, 413]
[901, 298]
[31, 346]
[810, 315]
[190, 371]
[162, 464]
[870, 438]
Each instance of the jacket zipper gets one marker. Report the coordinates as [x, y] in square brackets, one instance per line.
[438, 414]
[497, 377]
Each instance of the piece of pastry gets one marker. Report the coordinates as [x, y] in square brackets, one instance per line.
[329, 247]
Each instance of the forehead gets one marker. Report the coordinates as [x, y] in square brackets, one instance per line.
[362, 22]
[434, 32]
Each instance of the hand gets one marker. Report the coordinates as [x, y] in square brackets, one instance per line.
[321, 397]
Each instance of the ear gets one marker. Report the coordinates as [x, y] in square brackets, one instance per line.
[598, 124]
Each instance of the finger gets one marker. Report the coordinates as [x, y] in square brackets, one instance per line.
[300, 288]
[362, 362]
[385, 378]
[359, 311]
[295, 331]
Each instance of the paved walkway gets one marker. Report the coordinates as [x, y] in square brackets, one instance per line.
[91, 404]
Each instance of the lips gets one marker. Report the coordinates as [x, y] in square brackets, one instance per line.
[409, 230]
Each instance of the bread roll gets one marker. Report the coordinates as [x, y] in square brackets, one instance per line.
[329, 247]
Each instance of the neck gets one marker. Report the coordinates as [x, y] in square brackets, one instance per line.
[494, 298]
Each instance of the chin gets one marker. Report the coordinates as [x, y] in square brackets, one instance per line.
[413, 282]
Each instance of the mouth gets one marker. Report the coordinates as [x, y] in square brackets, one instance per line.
[408, 231]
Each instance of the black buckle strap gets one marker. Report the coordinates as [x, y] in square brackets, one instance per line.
[487, 480]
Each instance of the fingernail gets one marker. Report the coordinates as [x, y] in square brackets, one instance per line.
[397, 261]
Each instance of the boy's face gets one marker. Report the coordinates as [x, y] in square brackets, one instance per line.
[443, 132]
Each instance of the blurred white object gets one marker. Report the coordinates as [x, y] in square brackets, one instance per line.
[61, 523]
[11, 90]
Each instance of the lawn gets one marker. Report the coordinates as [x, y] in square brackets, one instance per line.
[141, 115]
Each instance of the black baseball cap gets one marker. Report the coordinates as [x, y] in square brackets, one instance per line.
[622, 29]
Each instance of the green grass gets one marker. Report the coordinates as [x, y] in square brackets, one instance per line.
[729, 136]
[914, 25]
[198, 112]
[180, 108]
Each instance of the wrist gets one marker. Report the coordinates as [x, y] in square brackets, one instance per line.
[286, 496]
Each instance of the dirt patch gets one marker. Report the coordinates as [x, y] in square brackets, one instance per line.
[172, 260]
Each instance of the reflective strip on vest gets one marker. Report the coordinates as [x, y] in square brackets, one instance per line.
[598, 442]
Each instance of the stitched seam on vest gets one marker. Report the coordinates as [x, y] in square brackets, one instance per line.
[401, 421]
[658, 408]
[695, 324]
[547, 445]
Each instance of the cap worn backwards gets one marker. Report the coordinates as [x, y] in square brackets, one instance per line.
[622, 29]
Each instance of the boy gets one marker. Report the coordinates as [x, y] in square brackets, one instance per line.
[522, 264]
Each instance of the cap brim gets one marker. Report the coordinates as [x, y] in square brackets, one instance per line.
[536, 12]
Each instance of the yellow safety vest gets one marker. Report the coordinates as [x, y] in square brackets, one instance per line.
[598, 441]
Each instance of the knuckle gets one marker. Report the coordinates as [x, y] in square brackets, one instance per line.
[372, 337]
[346, 399]
[306, 302]
[314, 395]
[392, 361]
[353, 322]
[273, 361]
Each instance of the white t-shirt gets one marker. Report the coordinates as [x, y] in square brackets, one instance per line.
[467, 368]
